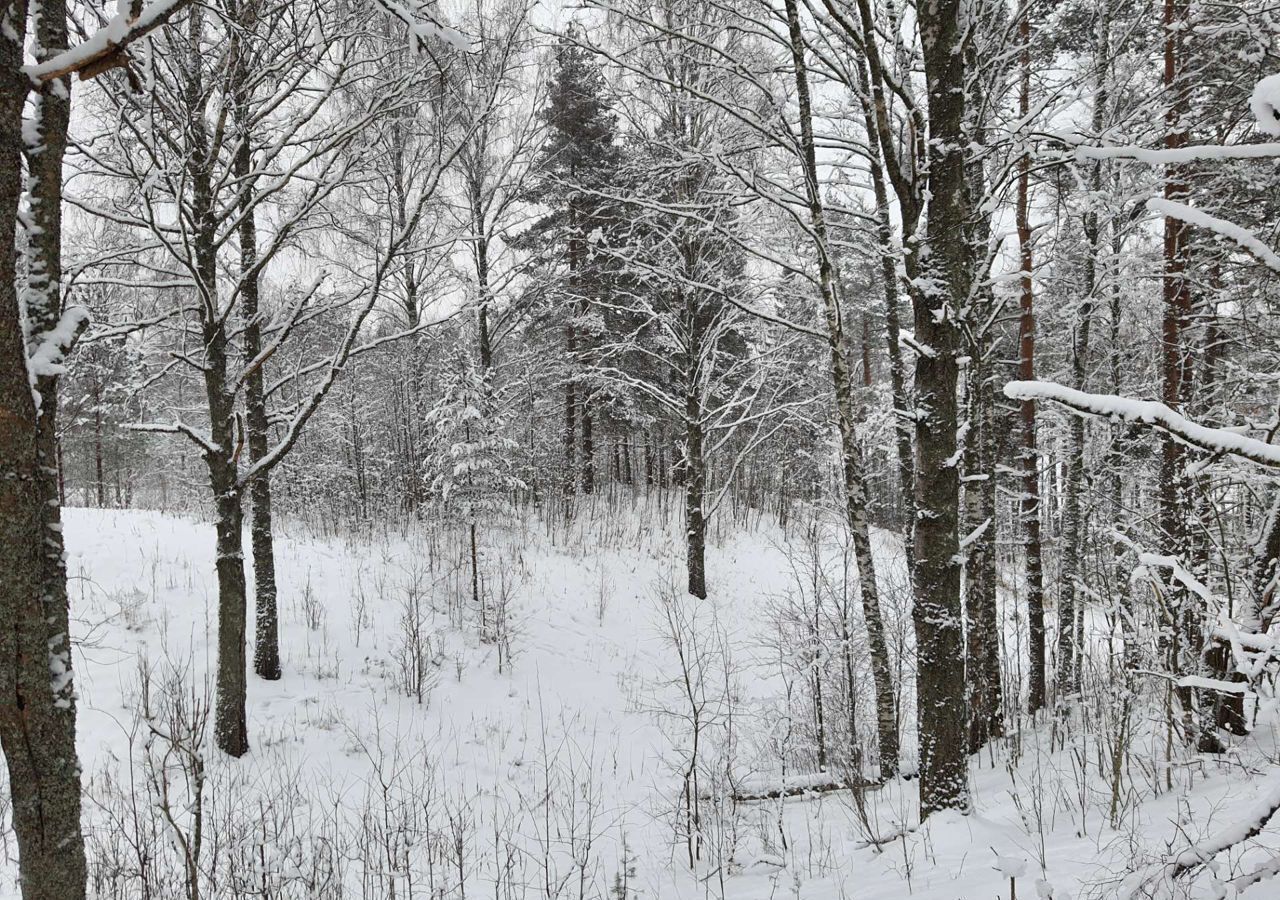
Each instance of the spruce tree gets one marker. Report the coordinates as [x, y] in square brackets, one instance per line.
[469, 463]
[576, 167]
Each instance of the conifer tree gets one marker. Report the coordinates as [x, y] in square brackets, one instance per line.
[579, 159]
[469, 464]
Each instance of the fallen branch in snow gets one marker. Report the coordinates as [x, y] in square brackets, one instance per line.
[1249, 827]
[1148, 412]
[796, 786]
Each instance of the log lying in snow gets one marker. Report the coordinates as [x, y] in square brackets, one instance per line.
[756, 789]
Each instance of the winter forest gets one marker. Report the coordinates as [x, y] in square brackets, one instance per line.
[639, 449]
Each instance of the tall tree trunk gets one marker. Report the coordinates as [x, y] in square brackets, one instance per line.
[982, 620]
[99, 477]
[1032, 544]
[37, 700]
[893, 333]
[1070, 663]
[266, 647]
[986, 720]
[851, 453]
[695, 489]
[1186, 639]
[695, 464]
[570, 415]
[479, 234]
[230, 727]
[571, 359]
[938, 613]
[588, 446]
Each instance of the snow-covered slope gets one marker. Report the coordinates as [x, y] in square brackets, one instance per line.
[548, 762]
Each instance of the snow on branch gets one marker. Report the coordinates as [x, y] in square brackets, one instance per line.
[1176, 155]
[1265, 104]
[105, 47]
[1202, 852]
[1148, 412]
[1250, 826]
[205, 444]
[1242, 236]
[424, 27]
[53, 346]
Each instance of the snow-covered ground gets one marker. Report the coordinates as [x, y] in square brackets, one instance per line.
[548, 763]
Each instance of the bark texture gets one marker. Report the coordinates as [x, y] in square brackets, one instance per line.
[37, 701]
[938, 613]
[1032, 543]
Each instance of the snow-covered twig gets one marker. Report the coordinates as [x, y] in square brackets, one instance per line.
[205, 444]
[1177, 155]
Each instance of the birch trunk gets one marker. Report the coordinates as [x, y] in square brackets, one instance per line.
[851, 454]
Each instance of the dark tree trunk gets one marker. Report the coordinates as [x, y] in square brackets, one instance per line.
[99, 478]
[1185, 640]
[938, 613]
[37, 700]
[588, 447]
[230, 728]
[986, 720]
[481, 251]
[1070, 661]
[570, 417]
[266, 647]
[695, 486]
[695, 464]
[1032, 544]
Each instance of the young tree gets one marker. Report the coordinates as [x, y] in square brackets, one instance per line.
[469, 463]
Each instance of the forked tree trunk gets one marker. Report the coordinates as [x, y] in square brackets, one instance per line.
[938, 613]
[230, 726]
[37, 701]
[851, 453]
